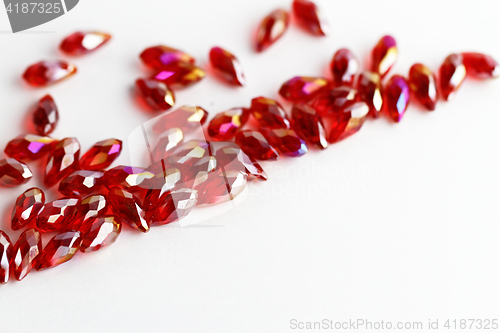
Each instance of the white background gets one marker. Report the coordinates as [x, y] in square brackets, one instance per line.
[398, 223]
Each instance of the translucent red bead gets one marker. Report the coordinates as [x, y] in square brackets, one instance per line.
[303, 89]
[335, 100]
[29, 147]
[159, 56]
[6, 255]
[126, 177]
[179, 75]
[14, 173]
[187, 118]
[269, 113]
[344, 67]
[26, 252]
[63, 160]
[286, 141]
[92, 206]
[370, 88]
[81, 182]
[423, 85]
[225, 124]
[80, 43]
[310, 17]
[481, 65]
[46, 116]
[396, 97]
[255, 145]
[27, 207]
[384, 55]
[156, 94]
[272, 27]
[307, 124]
[100, 233]
[127, 208]
[57, 214]
[172, 206]
[226, 66]
[451, 75]
[45, 73]
[344, 123]
[60, 249]
[101, 155]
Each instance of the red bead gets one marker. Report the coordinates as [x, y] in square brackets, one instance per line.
[127, 208]
[225, 124]
[157, 57]
[172, 207]
[342, 124]
[384, 55]
[481, 65]
[179, 75]
[80, 43]
[303, 89]
[81, 182]
[27, 207]
[396, 97]
[101, 232]
[309, 17]
[272, 27]
[46, 116]
[226, 66]
[166, 142]
[60, 249]
[255, 145]
[6, 255]
[29, 147]
[423, 85]
[167, 178]
[91, 207]
[26, 252]
[101, 155]
[344, 67]
[308, 125]
[335, 100]
[269, 113]
[56, 215]
[196, 159]
[44, 73]
[221, 186]
[126, 177]
[62, 161]
[370, 91]
[451, 75]
[14, 173]
[286, 141]
[231, 157]
[156, 94]
[187, 118]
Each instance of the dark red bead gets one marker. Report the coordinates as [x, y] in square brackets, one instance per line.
[344, 67]
[269, 113]
[384, 55]
[481, 65]
[27, 207]
[56, 215]
[307, 124]
[26, 252]
[46, 116]
[422, 82]
[101, 155]
[45, 73]
[81, 182]
[335, 100]
[187, 118]
[126, 177]
[157, 57]
[224, 125]
[310, 17]
[100, 233]
[60, 249]
[344, 123]
[272, 27]
[63, 160]
[156, 94]
[303, 89]
[231, 157]
[255, 145]
[179, 75]
[172, 206]
[80, 43]
[30, 147]
[6, 255]
[451, 75]
[14, 173]
[286, 141]
[369, 87]
[93, 206]
[226, 66]
[128, 209]
[396, 97]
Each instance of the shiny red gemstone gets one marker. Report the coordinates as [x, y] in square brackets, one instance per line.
[221, 186]
[370, 91]
[166, 142]
[269, 113]
[29, 147]
[224, 125]
[156, 94]
[46, 116]
[255, 145]
[187, 118]
[81, 182]
[481, 65]
[26, 252]
[396, 97]
[226, 66]
[6, 255]
[14, 173]
[384, 55]
[60, 249]
[101, 155]
[157, 57]
[80, 43]
[335, 100]
[127, 209]
[303, 89]
[286, 141]
[196, 159]
[101, 232]
[27, 207]
[179, 75]
[44, 73]
[172, 207]
[166, 179]
[56, 215]
[344, 67]
[342, 124]
[126, 177]
[422, 82]
[451, 75]
[310, 17]
[93, 206]
[63, 160]
[272, 27]
[307, 124]
[231, 157]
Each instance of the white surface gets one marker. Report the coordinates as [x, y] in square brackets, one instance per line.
[398, 223]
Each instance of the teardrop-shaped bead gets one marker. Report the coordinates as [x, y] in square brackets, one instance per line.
[221, 186]
[226, 66]
[156, 94]
[272, 27]
[303, 89]
[342, 124]
[100, 233]
[231, 157]
[159, 56]
[423, 85]
[269, 113]
[46, 116]
[370, 88]
[179, 75]
[451, 75]
[224, 125]
[45, 73]
[60, 249]
[14, 173]
[27, 207]
[310, 18]
[80, 42]
[127, 208]
[307, 124]
[335, 100]
[344, 67]
[81, 182]
[286, 141]
[255, 145]
[101, 155]
[187, 118]
[6, 255]
[57, 214]
[166, 142]
[63, 160]
[481, 65]
[396, 97]
[26, 252]
[30, 147]
[384, 55]
[172, 206]
[92, 206]
[126, 177]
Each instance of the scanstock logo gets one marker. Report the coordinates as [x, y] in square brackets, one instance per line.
[26, 14]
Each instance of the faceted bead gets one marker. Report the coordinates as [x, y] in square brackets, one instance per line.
[60, 249]
[255, 145]
[422, 82]
[303, 89]
[384, 55]
[26, 253]
[269, 113]
[56, 215]
[309, 17]
[157, 57]
[127, 208]
[226, 66]
[179, 75]
[370, 91]
[166, 179]
[196, 159]
[101, 232]
[340, 125]
[231, 157]
[344, 67]
[6, 255]
[81, 182]
[187, 118]
[13, 173]
[101, 155]
[166, 142]
[221, 186]
[156, 94]
[80, 43]
[286, 141]
[451, 75]
[30, 147]
[190, 153]
[172, 207]
[224, 125]
[46, 116]
[335, 100]
[481, 65]
[27, 207]
[308, 125]
[93, 206]
[126, 177]
[62, 161]
[272, 27]
[396, 97]
[44, 73]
